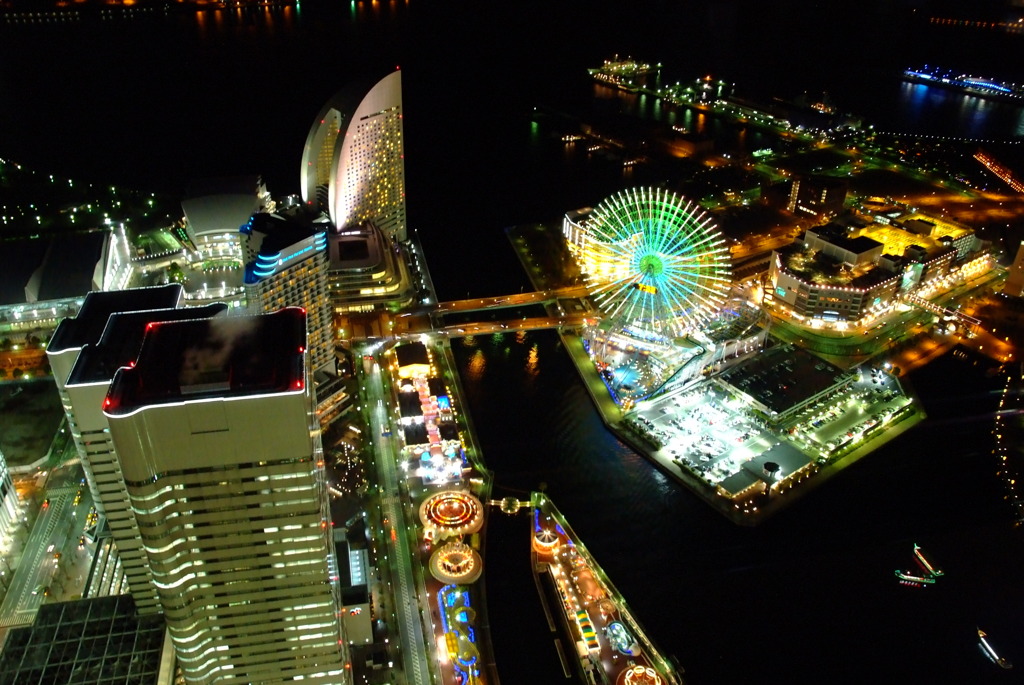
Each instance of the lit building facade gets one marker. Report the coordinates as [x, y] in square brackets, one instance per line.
[368, 271]
[353, 163]
[9, 506]
[84, 353]
[836, 274]
[831, 278]
[1015, 281]
[219, 447]
[286, 265]
[921, 232]
[817, 196]
[214, 208]
[597, 259]
[214, 211]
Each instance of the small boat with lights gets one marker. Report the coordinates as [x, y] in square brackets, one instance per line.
[927, 566]
[983, 643]
[907, 578]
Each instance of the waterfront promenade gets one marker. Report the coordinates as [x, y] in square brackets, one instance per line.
[747, 510]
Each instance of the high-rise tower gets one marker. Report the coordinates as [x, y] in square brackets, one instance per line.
[84, 353]
[353, 164]
[286, 265]
[9, 506]
[1015, 281]
[219, 447]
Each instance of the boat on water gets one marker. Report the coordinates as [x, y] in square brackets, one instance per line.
[930, 571]
[907, 578]
[926, 565]
[1001, 662]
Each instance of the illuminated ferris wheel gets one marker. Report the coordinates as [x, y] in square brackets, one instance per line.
[657, 261]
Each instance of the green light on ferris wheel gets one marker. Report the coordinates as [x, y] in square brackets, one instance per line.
[673, 266]
[651, 265]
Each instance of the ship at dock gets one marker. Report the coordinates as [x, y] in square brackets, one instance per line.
[585, 610]
[966, 83]
[625, 74]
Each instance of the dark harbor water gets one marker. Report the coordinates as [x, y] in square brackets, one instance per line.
[808, 596]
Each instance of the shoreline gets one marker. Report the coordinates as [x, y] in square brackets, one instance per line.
[768, 503]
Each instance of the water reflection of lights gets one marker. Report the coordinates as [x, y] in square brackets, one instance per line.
[532, 360]
[477, 363]
[1008, 466]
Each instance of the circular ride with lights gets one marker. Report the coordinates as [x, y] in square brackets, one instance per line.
[659, 270]
[456, 562]
[638, 675]
[546, 541]
[657, 261]
[451, 513]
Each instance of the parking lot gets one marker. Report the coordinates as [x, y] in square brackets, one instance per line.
[713, 433]
[705, 431]
[873, 400]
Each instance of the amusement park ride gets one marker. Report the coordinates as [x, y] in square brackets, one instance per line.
[659, 270]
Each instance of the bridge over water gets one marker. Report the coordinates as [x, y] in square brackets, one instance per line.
[430, 318]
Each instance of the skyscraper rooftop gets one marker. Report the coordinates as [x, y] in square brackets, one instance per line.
[88, 325]
[122, 337]
[223, 357]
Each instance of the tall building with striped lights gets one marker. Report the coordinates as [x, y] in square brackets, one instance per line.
[353, 163]
[10, 507]
[220, 451]
[286, 265]
[84, 353]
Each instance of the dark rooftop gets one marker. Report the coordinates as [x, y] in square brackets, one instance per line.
[67, 269]
[356, 248]
[437, 387]
[781, 377]
[232, 356]
[409, 404]
[411, 353]
[282, 232]
[837, 235]
[860, 244]
[276, 234]
[816, 267]
[87, 326]
[18, 260]
[122, 338]
[86, 642]
[50, 268]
